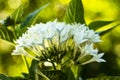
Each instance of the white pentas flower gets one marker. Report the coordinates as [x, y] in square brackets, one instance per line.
[96, 57]
[89, 50]
[65, 33]
[83, 34]
[91, 36]
[78, 33]
[55, 36]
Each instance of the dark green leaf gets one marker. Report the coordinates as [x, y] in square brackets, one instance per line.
[41, 76]
[68, 69]
[4, 77]
[8, 21]
[55, 75]
[35, 73]
[7, 30]
[25, 75]
[32, 69]
[68, 73]
[75, 12]
[106, 78]
[15, 17]
[16, 78]
[97, 24]
[7, 34]
[31, 18]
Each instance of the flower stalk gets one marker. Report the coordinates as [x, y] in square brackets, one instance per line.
[76, 69]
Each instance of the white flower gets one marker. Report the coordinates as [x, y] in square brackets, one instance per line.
[98, 58]
[83, 34]
[59, 26]
[79, 37]
[65, 33]
[23, 41]
[91, 36]
[95, 58]
[50, 32]
[59, 35]
[19, 51]
[78, 33]
[87, 50]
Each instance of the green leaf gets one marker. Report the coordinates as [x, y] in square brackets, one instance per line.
[35, 72]
[42, 76]
[4, 77]
[32, 69]
[25, 75]
[106, 78]
[7, 30]
[15, 17]
[75, 12]
[16, 78]
[55, 75]
[103, 30]
[107, 30]
[68, 73]
[31, 18]
[97, 24]
[7, 34]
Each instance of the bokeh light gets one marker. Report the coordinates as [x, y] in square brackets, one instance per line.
[14, 4]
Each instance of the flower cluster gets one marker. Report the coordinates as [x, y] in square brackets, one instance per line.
[60, 35]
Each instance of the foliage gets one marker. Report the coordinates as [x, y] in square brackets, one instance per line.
[14, 26]
[106, 78]
[75, 12]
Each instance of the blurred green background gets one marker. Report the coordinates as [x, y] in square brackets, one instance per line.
[106, 10]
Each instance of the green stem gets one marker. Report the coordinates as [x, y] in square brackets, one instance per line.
[53, 65]
[40, 73]
[76, 71]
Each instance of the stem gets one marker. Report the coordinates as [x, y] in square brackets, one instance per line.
[53, 65]
[66, 62]
[74, 53]
[76, 71]
[40, 73]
